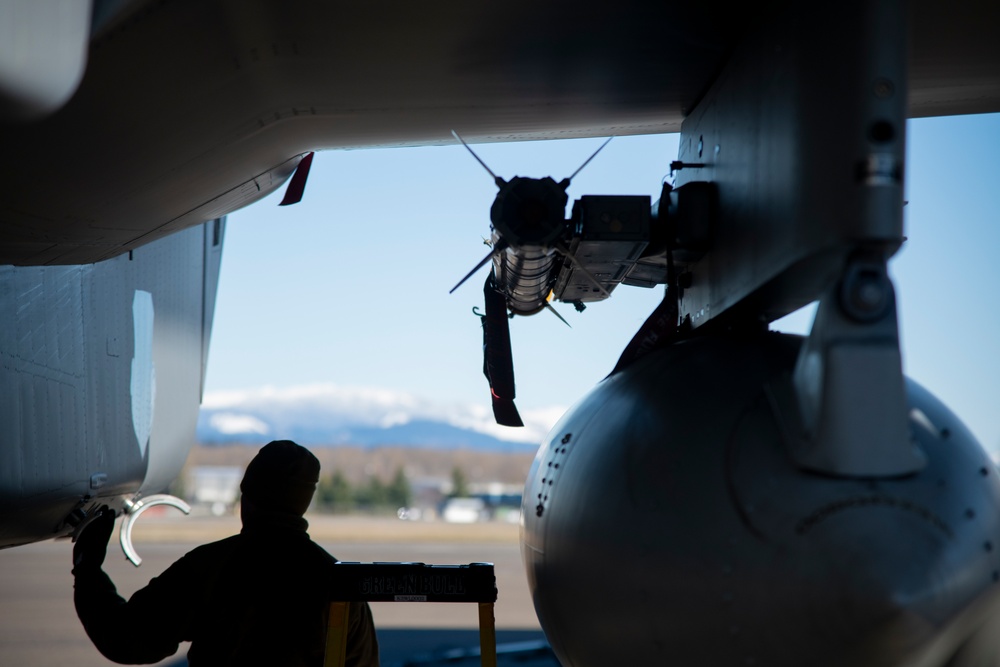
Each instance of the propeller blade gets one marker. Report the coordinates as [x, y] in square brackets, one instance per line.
[498, 248]
[505, 412]
[297, 186]
[548, 307]
[498, 362]
[601, 148]
[496, 179]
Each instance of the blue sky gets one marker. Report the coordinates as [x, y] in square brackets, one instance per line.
[351, 286]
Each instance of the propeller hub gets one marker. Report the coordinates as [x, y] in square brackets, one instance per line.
[530, 211]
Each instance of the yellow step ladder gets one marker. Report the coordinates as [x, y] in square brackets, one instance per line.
[411, 582]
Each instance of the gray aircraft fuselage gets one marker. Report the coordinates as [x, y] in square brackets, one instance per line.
[103, 368]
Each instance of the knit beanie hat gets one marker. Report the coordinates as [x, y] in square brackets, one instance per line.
[282, 477]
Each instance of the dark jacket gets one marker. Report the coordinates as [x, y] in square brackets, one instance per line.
[257, 598]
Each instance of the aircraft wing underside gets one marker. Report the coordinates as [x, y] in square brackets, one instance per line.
[189, 110]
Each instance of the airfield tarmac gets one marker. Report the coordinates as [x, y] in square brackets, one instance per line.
[38, 624]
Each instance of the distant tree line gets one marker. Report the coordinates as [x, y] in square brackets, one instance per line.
[335, 494]
[459, 485]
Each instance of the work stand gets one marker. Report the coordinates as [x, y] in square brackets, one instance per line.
[410, 582]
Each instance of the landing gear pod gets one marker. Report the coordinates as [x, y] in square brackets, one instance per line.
[668, 510]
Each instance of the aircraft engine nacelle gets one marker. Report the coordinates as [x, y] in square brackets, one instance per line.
[528, 220]
[665, 512]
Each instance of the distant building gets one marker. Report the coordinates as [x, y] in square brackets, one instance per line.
[502, 501]
[486, 502]
[464, 510]
[491, 501]
[216, 487]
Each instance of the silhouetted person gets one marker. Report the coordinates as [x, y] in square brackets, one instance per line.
[257, 598]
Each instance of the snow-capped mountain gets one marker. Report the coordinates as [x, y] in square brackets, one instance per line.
[327, 414]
